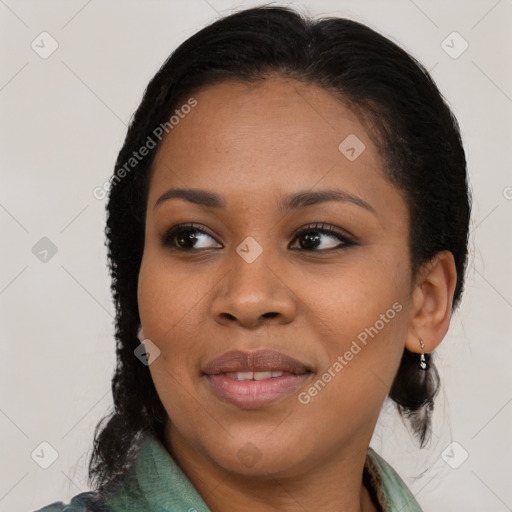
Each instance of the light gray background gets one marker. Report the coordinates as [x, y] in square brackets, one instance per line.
[63, 120]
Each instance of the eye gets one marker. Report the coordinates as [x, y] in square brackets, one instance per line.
[184, 237]
[312, 238]
[189, 237]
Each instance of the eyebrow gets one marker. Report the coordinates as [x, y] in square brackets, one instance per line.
[300, 199]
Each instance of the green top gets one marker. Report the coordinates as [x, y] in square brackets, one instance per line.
[157, 484]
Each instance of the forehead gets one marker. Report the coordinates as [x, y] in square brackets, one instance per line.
[270, 119]
[267, 137]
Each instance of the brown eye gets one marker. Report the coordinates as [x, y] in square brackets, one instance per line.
[316, 239]
[187, 237]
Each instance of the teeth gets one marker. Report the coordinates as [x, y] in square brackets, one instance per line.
[244, 375]
[262, 375]
[254, 375]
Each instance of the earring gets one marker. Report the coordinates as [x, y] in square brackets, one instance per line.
[423, 361]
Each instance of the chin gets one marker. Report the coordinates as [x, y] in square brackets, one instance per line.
[261, 455]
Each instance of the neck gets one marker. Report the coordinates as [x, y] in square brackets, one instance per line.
[333, 485]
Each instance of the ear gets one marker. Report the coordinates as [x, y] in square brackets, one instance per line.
[140, 334]
[432, 300]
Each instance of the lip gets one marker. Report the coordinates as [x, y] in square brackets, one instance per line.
[259, 361]
[252, 394]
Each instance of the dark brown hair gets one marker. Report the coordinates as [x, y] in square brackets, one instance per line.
[418, 138]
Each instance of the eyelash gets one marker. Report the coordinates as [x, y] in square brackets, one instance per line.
[170, 236]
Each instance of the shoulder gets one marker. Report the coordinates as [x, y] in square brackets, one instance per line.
[391, 490]
[83, 502]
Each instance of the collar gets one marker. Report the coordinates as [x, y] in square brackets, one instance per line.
[157, 484]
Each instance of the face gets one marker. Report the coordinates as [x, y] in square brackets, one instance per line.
[280, 322]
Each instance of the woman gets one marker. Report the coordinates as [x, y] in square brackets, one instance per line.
[287, 233]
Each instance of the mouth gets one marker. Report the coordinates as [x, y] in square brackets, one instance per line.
[251, 380]
[261, 375]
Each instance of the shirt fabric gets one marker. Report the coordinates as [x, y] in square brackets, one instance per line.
[157, 484]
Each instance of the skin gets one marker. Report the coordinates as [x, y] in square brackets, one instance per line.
[253, 144]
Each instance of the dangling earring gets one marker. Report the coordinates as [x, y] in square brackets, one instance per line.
[423, 361]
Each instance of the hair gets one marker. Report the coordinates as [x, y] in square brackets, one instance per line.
[419, 142]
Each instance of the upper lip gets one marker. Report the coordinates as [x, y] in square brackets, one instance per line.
[259, 361]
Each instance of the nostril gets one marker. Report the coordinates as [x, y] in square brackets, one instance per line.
[270, 315]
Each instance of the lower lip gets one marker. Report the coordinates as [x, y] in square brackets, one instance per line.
[252, 394]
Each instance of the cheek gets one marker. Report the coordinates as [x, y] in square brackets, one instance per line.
[354, 296]
[365, 314]
[168, 300]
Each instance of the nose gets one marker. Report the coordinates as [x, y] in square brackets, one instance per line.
[252, 294]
